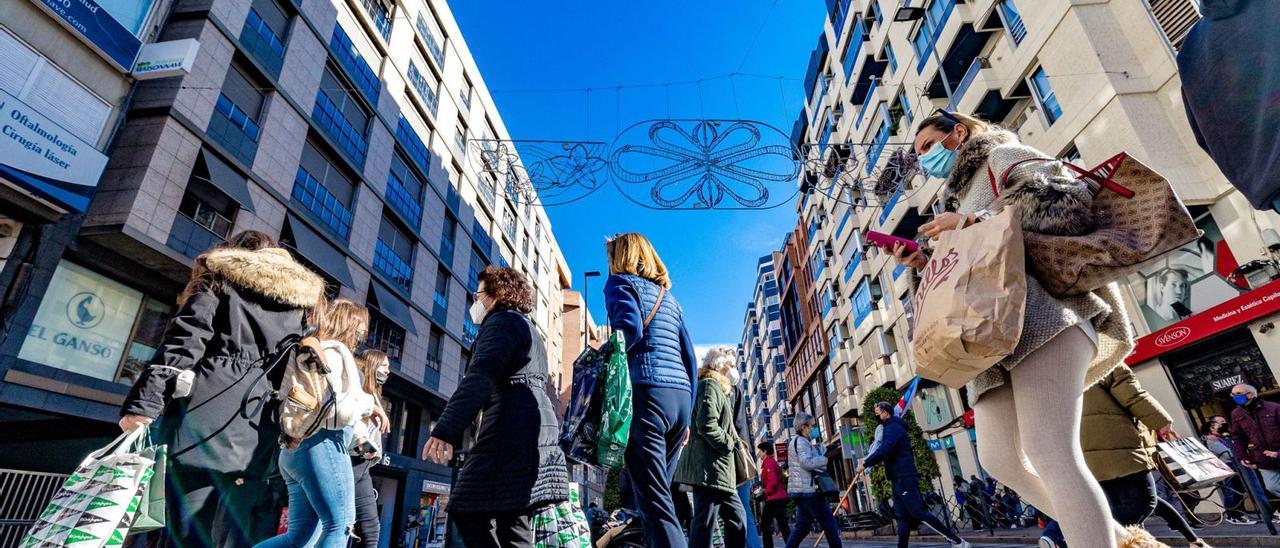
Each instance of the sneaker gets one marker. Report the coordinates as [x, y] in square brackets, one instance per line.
[1046, 542]
[962, 544]
[1241, 521]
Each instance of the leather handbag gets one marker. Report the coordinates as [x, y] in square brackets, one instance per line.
[1138, 218]
[744, 465]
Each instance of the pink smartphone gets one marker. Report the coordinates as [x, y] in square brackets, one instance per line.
[886, 241]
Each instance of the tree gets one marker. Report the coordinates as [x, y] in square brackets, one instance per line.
[612, 497]
[926, 465]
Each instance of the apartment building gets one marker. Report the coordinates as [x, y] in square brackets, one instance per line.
[339, 126]
[763, 359]
[1080, 81]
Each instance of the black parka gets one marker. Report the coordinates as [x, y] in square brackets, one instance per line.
[516, 463]
[226, 333]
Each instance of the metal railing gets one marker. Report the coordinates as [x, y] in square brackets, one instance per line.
[23, 495]
[969, 75]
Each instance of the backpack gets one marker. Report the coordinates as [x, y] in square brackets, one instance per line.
[306, 397]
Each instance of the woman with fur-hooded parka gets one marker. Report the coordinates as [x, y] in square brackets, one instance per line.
[244, 299]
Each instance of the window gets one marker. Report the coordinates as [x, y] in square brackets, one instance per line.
[404, 190]
[434, 344]
[94, 326]
[1045, 96]
[205, 217]
[1071, 154]
[393, 254]
[413, 145]
[1175, 19]
[440, 309]
[429, 30]
[381, 16]
[1012, 21]
[425, 84]
[460, 138]
[509, 223]
[349, 58]
[524, 245]
[473, 274]
[934, 19]
[447, 237]
[467, 91]
[341, 116]
[234, 123]
[891, 56]
[385, 335]
[324, 191]
[264, 33]
[469, 328]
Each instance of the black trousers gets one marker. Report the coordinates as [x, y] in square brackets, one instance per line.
[909, 511]
[495, 530]
[211, 509]
[1133, 499]
[775, 511]
[709, 503]
[368, 528]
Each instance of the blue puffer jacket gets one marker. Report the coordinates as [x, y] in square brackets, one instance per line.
[663, 354]
[894, 450]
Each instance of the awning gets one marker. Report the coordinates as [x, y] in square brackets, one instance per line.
[319, 252]
[227, 179]
[390, 305]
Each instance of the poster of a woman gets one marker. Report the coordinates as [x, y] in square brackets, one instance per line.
[1183, 282]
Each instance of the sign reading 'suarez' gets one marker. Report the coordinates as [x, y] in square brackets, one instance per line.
[1241, 310]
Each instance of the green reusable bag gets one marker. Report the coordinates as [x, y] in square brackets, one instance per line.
[151, 508]
[615, 420]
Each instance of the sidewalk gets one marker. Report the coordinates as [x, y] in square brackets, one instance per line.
[1222, 536]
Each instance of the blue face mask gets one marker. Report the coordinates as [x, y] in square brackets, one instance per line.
[1240, 399]
[938, 161]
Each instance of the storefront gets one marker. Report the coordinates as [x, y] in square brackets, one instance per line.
[1200, 312]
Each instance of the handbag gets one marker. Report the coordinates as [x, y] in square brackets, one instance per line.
[744, 465]
[1138, 218]
[970, 301]
[580, 430]
[822, 482]
[1187, 463]
[97, 504]
[563, 524]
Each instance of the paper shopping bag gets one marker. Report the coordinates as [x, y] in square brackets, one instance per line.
[970, 301]
[1190, 465]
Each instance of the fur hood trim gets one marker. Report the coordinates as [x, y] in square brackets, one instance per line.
[270, 272]
[972, 157]
[720, 378]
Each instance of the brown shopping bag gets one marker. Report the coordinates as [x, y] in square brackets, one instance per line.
[1139, 217]
[970, 301]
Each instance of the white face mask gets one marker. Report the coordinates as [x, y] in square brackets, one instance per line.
[478, 312]
[734, 376]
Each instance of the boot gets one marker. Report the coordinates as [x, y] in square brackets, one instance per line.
[1138, 537]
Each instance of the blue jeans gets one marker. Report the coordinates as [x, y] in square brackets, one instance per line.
[321, 492]
[753, 534]
[659, 419]
[811, 508]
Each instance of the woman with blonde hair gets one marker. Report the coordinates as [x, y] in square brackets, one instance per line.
[663, 363]
[316, 470]
[375, 369]
[1027, 407]
[707, 465]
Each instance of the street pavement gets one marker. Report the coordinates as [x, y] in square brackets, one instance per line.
[1222, 536]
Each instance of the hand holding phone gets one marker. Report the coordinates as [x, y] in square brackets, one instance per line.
[886, 241]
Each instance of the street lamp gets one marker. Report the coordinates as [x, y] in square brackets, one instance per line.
[586, 329]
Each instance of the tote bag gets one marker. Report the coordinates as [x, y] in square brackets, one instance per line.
[1190, 465]
[970, 301]
[562, 525]
[98, 502]
[744, 465]
[615, 419]
[1138, 218]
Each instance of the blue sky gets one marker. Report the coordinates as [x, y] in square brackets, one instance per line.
[575, 44]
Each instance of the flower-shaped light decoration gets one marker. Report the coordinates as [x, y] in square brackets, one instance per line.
[576, 167]
[705, 161]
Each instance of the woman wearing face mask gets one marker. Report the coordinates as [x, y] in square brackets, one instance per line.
[804, 459]
[515, 465]
[375, 369]
[708, 462]
[1028, 406]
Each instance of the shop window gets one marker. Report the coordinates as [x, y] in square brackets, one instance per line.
[95, 326]
[205, 217]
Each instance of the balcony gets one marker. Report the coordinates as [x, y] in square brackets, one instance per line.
[969, 74]
[847, 404]
[191, 238]
[261, 43]
[234, 130]
[392, 266]
[892, 206]
[413, 145]
[854, 49]
[430, 38]
[879, 373]
[381, 18]
[348, 57]
[348, 139]
[866, 102]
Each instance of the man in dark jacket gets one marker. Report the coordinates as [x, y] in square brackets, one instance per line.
[894, 452]
[1255, 434]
